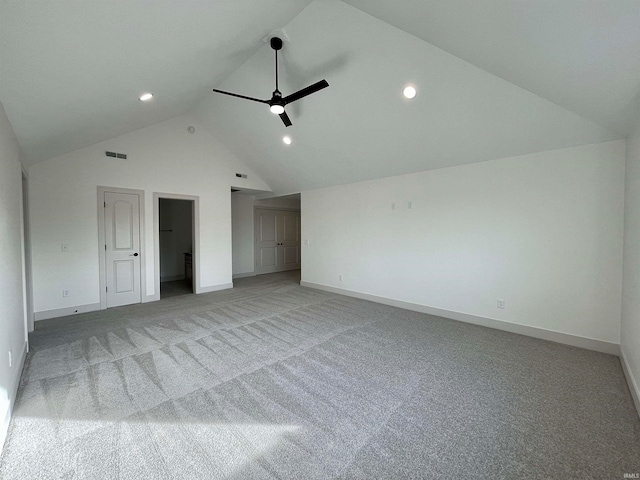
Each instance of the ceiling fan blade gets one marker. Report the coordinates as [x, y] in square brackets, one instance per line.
[241, 96]
[305, 91]
[285, 119]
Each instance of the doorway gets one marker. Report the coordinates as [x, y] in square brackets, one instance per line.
[265, 233]
[176, 246]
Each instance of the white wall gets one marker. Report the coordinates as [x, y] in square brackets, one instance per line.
[286, 201]
[174, 215]
[162, 158]
[12, 299]
[630, 327]
[242, 207]
[541, 231]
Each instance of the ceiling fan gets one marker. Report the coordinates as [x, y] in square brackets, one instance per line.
[277, 102]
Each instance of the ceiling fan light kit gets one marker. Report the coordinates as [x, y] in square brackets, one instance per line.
[277, 108]
[277, 102]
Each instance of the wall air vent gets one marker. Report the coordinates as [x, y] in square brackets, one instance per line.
[241, 175]
[116, 155]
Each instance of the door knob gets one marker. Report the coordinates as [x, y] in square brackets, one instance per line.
[134, 255]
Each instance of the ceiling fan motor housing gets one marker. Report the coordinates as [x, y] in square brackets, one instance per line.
[276, 104]
[276, 99]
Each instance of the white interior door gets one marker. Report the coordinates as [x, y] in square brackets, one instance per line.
[289, 241]
[122, 248]
[266, 230]
[277, 240]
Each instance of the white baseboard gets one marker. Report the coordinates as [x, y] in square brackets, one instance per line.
[215, 288]
[242, 275]
[63, 312]
[172, 278]
[631, 381]
[12, 394]
[536, 332]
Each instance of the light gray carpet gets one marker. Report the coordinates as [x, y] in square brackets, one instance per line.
[271, 380]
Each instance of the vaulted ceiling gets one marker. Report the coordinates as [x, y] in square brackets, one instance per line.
[495, 78]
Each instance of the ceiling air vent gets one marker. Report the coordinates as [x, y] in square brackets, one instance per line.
[241, 175]
[116, 155]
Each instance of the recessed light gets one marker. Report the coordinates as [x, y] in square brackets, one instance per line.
[409, 92]
[145, 97]
[287, 139]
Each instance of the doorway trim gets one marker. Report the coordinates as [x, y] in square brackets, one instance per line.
[102, 240]
[195, 232]
[26, 245]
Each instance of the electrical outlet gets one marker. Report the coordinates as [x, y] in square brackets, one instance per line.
[65, 293]
[306, 243]
[500, 303]
[340, 277]
[409, 204]
[10, 358]
[64, 247]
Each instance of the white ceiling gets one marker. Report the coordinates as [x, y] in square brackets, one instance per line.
[583, 55]
[495, 78]
[71, 71]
